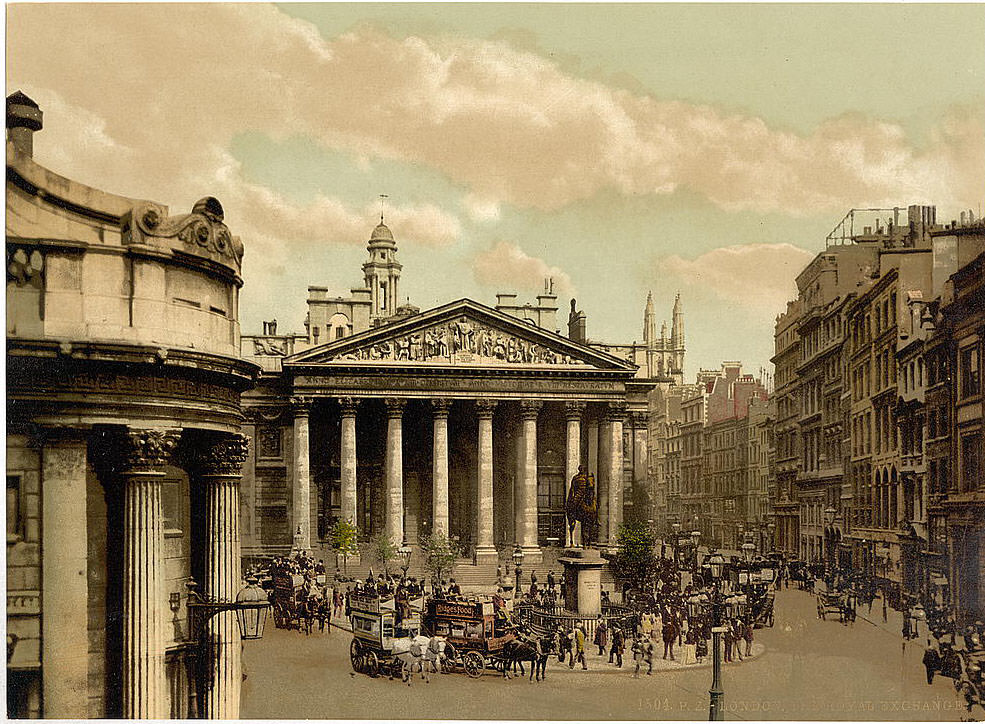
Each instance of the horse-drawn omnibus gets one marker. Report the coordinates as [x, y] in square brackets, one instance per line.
[377, 634]
[288, 596]
[475, 635]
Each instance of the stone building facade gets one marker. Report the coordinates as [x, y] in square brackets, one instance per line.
[123, 446]
[464, 419]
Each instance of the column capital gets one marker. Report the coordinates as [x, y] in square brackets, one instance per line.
[148, 449]
[349, 406]
[394, 406]
[440, 406]
[485, 408]
[615, 411]
[529, 409]
[301, 405]
[574, 410]
[639, 418]
[223, 455]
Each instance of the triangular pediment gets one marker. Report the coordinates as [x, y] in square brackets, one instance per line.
[460, 334]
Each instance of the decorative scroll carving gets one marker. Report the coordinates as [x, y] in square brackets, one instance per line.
[462, 341]
[269, 347]
[269, 441]
[616, 412]
[25, 266]
[349, 405]
[441, 407]
[223, 455]
[529, 409]
[574, 410]
[394, 406]
[300, 405]
[148, 449]
[485, 407]
[201, 232]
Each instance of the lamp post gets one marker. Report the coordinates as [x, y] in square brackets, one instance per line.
[676, 528]
[770, 529]
[695, 537]
[517, 570]
[716, 695]
[829, 518]
[405, 552]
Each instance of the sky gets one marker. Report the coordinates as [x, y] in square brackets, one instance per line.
[704, 149]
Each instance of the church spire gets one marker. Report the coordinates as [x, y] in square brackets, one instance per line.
[649, 322]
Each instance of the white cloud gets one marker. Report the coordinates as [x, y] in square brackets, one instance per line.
[757, 277]
[510, 126]
[506, 267]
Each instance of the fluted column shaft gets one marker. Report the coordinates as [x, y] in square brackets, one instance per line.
[605, 470]
[145, 694]
[572, 459]
[220, 465]
[348, 472]
[301, 490]
[615, 463]
[439, 495]
[484, 502]
[528, 481]
[394, 471]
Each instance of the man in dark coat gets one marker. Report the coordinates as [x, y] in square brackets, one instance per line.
[618, 645]
[669, 636]
[931, 661]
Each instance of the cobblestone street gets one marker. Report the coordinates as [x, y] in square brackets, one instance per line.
[810, 669]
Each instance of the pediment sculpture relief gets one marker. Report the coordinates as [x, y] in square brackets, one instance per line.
[461, 341]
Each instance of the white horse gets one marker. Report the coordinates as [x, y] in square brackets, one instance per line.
[418, 652]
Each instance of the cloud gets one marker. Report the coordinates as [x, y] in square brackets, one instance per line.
[756, 277]
[506, 267]
[508, 126]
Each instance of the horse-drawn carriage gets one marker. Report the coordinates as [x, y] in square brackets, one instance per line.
[288, 596]
[475, 636]
[830, 602]
[382, 641]
[761, 601]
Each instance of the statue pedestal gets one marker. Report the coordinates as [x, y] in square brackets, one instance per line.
[582, 580]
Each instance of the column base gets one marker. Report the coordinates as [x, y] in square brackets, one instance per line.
[532, 555]
[485, 555]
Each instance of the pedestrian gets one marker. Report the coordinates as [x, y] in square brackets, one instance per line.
[748, 636]
[618, 646]
[906, 625]
[690, 650]
[648, 655]
[550, 580]
[729, 641]
[931, 661]
[637, 655]
[601, 636]
[885, 610]
[579, 646]
[669, 636]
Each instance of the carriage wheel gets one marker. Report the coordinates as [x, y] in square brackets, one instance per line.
[372, 663]
[474, 664]
[355, 656]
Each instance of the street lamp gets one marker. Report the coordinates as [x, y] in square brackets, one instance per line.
[695, 537]
[517, 560]
[748, 549]
[405, 552]
[676, 528]
[771, 528]
[829, 517]
[716, 695]
[251, 607]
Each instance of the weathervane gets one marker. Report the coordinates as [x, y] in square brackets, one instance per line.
[383, 198]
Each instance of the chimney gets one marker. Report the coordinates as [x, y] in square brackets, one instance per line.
[24, 117]
[577, 324]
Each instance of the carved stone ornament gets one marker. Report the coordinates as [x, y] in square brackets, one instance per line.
[349, 405]
[269, 347]
[223, 455]
[574, 410]
[462, 341]
[301, 404]
[25, 266]
[149, 449]
[485, 408]
[394, 406]
[441, 407]
[201, 232]
[616, 412]
[529, 409]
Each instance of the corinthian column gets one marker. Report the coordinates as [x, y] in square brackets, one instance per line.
[219, 466]
[484, 503]
[572, 461]
[617, 413]
[301, 490]
[145, 453]
[348, 472]
[527, 498]
[394, 470]
[439, 496]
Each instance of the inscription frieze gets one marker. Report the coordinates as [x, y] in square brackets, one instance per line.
[428, 384]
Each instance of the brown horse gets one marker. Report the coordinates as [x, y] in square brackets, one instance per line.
[582, 506]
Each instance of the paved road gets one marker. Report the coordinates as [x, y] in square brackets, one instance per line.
[810, 670]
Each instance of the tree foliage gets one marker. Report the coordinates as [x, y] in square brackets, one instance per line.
[343, 537]
[385, 551]
[636, 561]
[440, 554]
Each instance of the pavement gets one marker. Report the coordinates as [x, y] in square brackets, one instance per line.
[809, 669]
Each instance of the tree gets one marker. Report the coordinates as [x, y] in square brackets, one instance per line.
[440, 554]
[635, 561]
[343, 537]
[385, 550]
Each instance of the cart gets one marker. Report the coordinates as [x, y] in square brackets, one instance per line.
[374, 633]
[475, 636]
[288, 595]
[830, 602]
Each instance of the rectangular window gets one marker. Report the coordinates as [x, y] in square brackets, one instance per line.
[970, 461]
[969, 371]
[15, 527]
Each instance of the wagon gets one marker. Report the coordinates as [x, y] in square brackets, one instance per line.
[475, 637]
[761, 609]
[374, 633]
[830, 602]
[288, 595]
